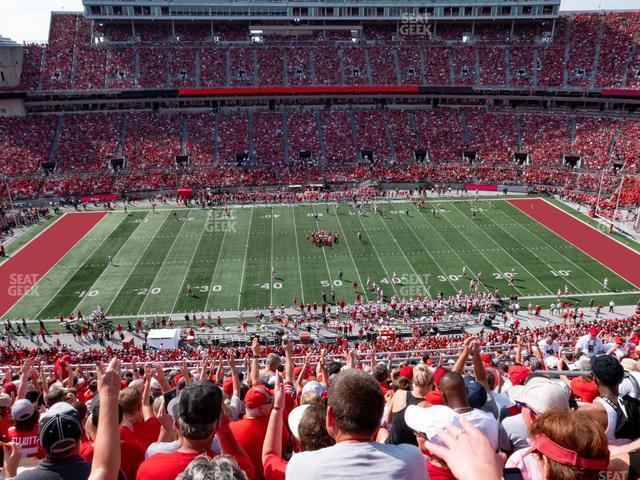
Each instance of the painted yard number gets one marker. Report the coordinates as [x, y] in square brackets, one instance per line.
[205, 288]
[327, 283]
[266, 286]
[145, 291]
[448, 278]
[90, 293]
[393, 280]
[560, 273]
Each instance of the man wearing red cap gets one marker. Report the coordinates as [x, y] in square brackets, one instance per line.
[251, 430]
[590, 344]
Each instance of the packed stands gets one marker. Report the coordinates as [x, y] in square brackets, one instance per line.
[20, 153]
[87, 141]
[152, 140]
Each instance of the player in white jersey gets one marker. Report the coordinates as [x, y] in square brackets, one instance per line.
[605, 283]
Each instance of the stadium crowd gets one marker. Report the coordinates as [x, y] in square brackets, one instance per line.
[556, 402]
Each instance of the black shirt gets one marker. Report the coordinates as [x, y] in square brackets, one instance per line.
[70, 468]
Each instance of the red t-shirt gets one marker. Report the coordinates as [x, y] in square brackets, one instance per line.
[131, 456]
[585, 391]
[439, 473]
[434, 397]
[274, 467]
[30, 442]
[250, 433]
[5, 425]
[143, 433]
[167, 466]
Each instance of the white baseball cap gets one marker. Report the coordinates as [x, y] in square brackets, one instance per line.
[542, 395]
[294, 419]
[313, 386]
[430, 420]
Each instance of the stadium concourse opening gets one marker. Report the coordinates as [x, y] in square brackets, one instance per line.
[307, 240]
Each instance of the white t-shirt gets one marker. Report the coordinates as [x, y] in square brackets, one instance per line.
[549, 349]
[620, 352]
[627, 388]
[486, 423]
[590, 347]
[370, 460]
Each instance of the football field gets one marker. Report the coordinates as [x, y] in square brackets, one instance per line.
[227, 258]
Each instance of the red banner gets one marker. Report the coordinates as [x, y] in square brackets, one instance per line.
[481, 187]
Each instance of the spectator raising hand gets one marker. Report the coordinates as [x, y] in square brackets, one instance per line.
[106, 459]
[468, 453]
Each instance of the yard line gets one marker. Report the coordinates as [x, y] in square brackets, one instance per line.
[599, 282]
[405, 256]
[77, 268]
[583, 295]
[295, 234]
[215, 269]
[135, 264]
[349, 249]
[445, 241]
[186, 272]
[501, 248]
[379, 259]
[272, 265]
[456, 253]
[529, 249]
[144, 300]
[244, 263]
[326, 262]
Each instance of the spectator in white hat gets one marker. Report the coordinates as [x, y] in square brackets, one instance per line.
[540, 395]
[631, 383]
[25, 431]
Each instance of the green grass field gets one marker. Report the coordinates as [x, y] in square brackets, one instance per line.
[228, 261]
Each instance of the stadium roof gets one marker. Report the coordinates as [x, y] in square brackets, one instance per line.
[4, 42]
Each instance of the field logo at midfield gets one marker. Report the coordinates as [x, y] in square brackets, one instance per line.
[21, 284]
[415, 26]
[413, 285]
[221, 221]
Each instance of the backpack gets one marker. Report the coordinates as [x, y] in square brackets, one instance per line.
[628, 410]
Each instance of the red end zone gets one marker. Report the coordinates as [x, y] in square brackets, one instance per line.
[29, 264]
[621, 259]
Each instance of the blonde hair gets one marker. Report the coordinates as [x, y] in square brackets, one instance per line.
[89, 429]
[422, 376]
[156, 405]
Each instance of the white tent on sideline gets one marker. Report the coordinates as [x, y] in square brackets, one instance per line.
[163, 338]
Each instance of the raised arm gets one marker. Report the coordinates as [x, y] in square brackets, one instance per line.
[273, 438]
[478, 366]
[462, 358]
[24, 379]
[288, 361]
[147, 411]
[164, 385]
[255, 366]
[106, 458]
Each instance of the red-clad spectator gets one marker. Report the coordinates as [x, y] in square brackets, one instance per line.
[200, 418]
